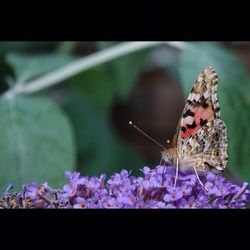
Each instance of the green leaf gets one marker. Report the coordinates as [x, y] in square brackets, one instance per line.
[99, 150]
[6, 47]
[66, 48]
[36, 142]
[98, 85]
[233, 95]
[29, 66]
[104, 45]
[6, 75]
[126, 69]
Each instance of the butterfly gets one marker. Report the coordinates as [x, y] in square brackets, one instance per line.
[200, 142]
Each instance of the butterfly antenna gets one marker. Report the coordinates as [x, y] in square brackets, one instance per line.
[156, 142]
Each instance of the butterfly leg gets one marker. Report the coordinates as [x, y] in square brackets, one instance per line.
[176, 174]
[160, 161]
[163, 171]
[198, 178]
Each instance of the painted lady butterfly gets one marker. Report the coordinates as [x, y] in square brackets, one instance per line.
[200, 142]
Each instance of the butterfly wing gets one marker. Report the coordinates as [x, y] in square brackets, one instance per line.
[202, 105]
[208, 147]
[200, 133]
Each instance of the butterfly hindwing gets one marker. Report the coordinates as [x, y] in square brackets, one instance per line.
[208, 147]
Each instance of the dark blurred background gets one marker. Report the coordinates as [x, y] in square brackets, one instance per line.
[149, 87]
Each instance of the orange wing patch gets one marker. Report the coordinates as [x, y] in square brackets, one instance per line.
[194, 123]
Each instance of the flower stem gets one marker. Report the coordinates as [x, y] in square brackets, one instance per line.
[241, 191]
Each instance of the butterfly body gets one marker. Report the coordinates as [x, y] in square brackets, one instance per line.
[184, 162]
[200, 141]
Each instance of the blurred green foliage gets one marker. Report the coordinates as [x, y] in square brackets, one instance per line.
[81, 136]
[125, 70]
[98, 85]
[98, 147]
[41, 136]
[28, 66]
[36, 143]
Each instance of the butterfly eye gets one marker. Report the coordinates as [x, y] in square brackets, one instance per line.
[168, 141]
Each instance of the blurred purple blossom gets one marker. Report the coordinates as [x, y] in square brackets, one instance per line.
[155, 189]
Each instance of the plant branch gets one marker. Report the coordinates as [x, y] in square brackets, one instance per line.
[82, 64]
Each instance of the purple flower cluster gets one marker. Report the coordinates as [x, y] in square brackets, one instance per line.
[154, 190]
